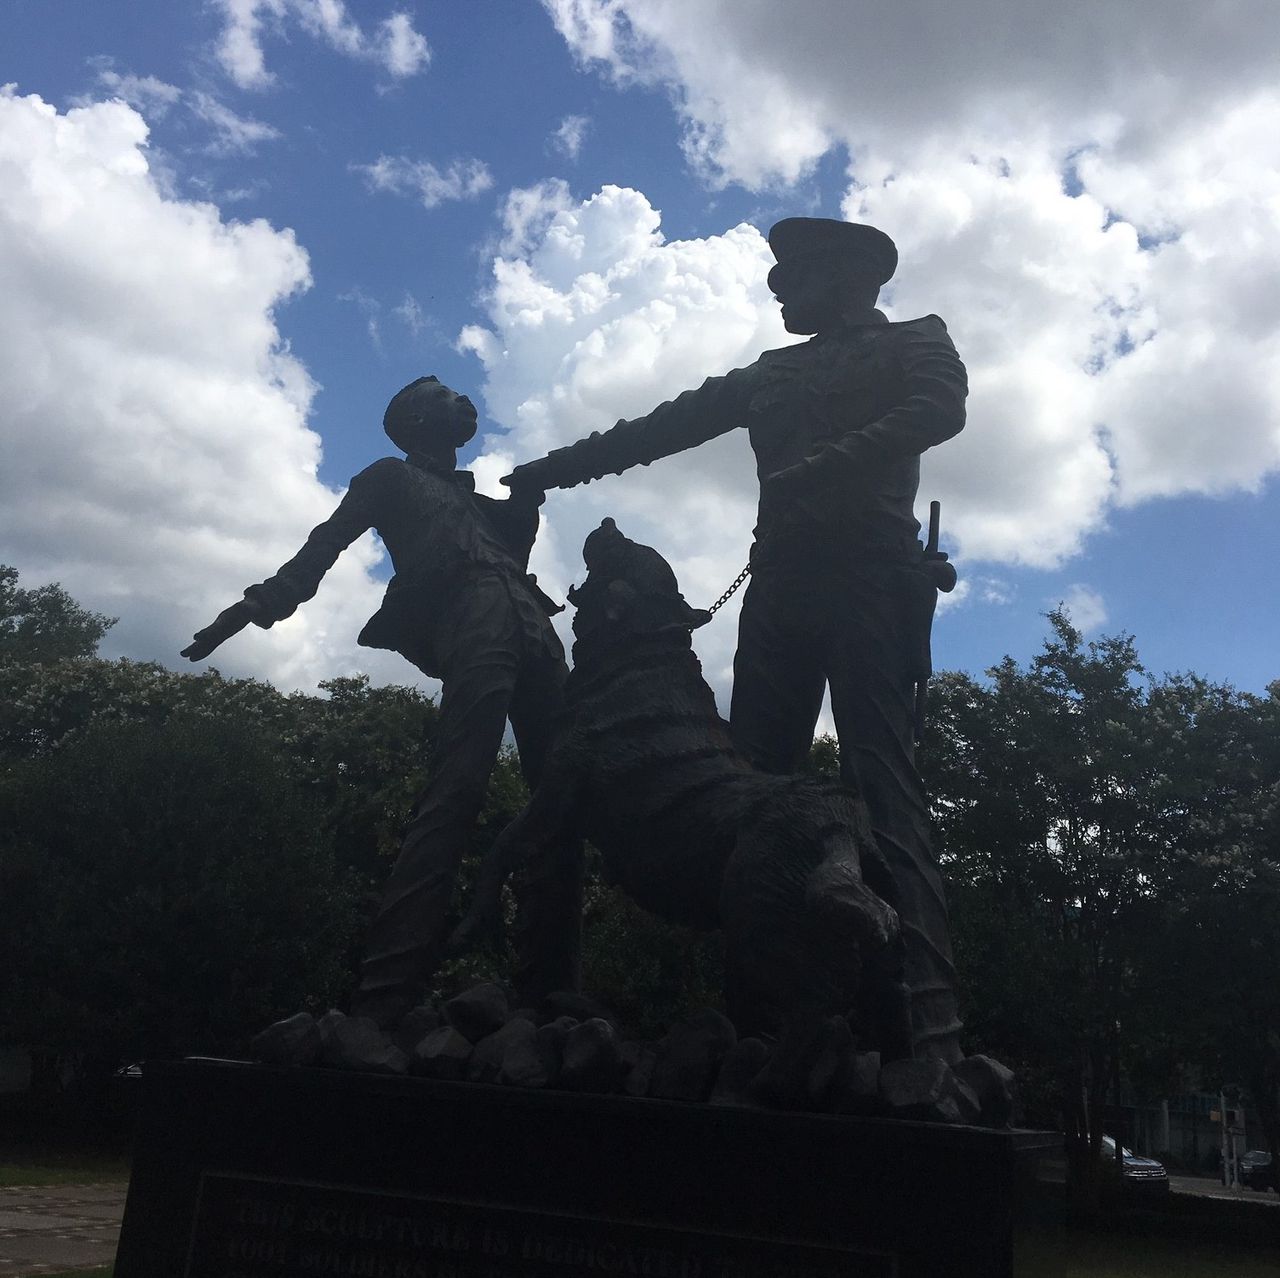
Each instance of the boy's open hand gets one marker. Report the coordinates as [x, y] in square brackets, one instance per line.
[228, 622]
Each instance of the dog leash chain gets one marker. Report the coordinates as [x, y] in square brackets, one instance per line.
[733, 590]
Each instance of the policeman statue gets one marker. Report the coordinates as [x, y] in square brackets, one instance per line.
[841, 594]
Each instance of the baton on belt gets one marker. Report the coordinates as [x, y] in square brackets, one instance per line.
[942, 576]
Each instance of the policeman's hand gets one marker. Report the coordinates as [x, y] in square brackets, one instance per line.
[524, 493]
[533, 476]
[228, 622]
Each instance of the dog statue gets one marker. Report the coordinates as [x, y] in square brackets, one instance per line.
[644, 767]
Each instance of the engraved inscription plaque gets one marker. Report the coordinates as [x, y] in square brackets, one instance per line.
[244, 1171]
[248, 1227]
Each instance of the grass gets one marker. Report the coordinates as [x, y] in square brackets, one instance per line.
[1111, 1256]
[49, 1167]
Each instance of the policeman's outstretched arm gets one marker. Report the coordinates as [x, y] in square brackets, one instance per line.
[714, 408]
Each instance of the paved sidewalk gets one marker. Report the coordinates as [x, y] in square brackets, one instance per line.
[57, 1227]
[1212, 1187]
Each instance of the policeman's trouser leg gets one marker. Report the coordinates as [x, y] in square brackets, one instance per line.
[795, 636]
[407, 936]
[778, 680]
[872, 701]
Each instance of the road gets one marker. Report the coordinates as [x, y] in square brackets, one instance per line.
[59, 1227]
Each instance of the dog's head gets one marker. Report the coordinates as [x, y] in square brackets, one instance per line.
[630, 591]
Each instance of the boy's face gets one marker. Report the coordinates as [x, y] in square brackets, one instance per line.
[433, 419]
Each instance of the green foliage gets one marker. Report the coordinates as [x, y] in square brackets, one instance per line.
[361, 751]
[45, 624]
[823, 759]
[506, 795]
[183, 856]
[1092, 823]
[650, 972]
[56, 1166]
[164, 889]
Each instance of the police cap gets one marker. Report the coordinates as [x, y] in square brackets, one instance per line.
[868, 250]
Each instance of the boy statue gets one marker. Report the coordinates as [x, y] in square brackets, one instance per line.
[462, 608]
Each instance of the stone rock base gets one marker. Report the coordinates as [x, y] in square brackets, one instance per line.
[477, 1037]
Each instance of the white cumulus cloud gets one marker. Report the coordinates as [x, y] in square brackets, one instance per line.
[401, 50]
[157, 455]
[231, 132]
[147, 93]
[1088, 194]
[394, 45]
[1084, 606]
[461, 180]
[569, 134]
[592, 316]
[764, 92]
[234, 134]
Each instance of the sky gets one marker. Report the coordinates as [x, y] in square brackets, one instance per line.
[230, 230]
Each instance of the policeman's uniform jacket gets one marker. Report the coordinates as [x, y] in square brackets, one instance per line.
[856, 408]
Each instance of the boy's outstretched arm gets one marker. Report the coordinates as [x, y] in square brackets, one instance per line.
[296, 581]
[230, 621]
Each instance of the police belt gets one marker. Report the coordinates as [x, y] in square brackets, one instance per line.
[796, 562]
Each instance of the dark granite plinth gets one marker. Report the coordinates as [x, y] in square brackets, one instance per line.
[245, 1171]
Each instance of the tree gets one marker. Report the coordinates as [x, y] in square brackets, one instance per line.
[163, 889]
[45, 624]
[1215, 978]
[360, 750]
[1055, 790]
[240, 825]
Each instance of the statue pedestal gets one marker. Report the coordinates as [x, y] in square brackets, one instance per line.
[244, 1171]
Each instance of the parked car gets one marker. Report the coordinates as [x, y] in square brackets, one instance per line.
[1257, 1170]
[1139, 1175]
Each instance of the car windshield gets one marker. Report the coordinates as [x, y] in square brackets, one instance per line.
[1109, 1148]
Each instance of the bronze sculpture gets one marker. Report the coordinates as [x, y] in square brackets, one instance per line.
[841, 591]
[461, 608]
[643, 766]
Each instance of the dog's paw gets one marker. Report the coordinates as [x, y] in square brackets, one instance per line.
[836, 890]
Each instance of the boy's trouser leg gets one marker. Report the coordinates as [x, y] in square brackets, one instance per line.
[409, 932]
[548, 936]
